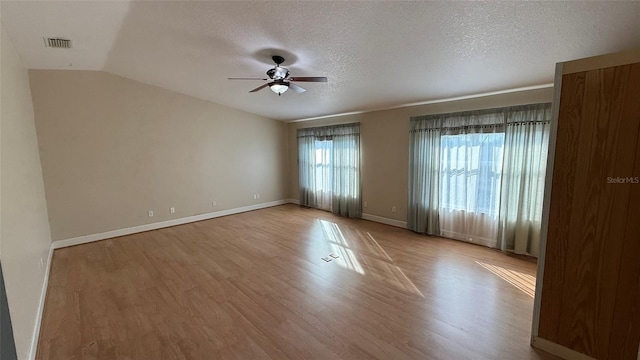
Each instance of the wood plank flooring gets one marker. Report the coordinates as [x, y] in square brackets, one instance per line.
[254, 286]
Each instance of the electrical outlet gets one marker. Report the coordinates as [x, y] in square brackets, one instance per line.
[172, 210]
[214, 204]
[150, 213]
[258, 196]
[365, 204]
[393, 209]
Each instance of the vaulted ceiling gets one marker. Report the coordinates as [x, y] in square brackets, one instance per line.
[375, 54]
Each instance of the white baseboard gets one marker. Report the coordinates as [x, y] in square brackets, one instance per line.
[40, 311]
[159, 225]
[121, 232]
[384, 220]
[374, 218]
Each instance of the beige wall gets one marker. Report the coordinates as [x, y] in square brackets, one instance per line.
[385, 146]
[24, 231]
[112, 149]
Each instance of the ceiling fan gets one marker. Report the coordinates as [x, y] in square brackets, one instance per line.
[280, 81]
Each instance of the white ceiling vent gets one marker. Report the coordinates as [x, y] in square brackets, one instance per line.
[57, 42]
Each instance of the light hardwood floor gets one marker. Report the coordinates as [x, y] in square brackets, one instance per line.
[254, 286]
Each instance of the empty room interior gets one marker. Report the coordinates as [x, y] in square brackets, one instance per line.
[319, 180]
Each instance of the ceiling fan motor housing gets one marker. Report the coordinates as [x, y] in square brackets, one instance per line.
[278, 73]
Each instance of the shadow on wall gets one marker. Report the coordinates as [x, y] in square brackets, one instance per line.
[146, 32]
[151, 29]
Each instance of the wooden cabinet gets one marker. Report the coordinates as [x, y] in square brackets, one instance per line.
[588, 296]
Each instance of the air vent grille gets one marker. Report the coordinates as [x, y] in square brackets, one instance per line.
[56, 42]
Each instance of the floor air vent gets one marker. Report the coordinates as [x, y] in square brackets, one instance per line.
[56, 42]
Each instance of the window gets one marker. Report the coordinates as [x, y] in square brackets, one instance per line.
[323, 183]
[470, 172]
[479, 175]
[329, 168]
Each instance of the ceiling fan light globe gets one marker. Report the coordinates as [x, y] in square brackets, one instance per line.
[279, 88]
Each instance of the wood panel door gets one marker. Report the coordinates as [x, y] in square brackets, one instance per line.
[590, 293]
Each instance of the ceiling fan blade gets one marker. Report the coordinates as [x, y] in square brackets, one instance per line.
[259, 88]
[248, 79]
[309, 79]
[297, 88]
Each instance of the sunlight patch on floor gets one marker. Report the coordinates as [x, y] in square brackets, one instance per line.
[380, 266]
[525, 282]
[347, 259]
[340, 246]
[381, 251]
[395, 275]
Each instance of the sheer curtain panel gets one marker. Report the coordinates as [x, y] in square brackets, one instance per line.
[470, 186]
[329, 168]
[523, 176]
[424, 176]
[458, 196]
[346, 171]
[307, 167]
[478, 176]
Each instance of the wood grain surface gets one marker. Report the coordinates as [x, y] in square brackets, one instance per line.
[254, 286]
[592, 272]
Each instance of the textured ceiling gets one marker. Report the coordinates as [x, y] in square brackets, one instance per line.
[375, 54]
